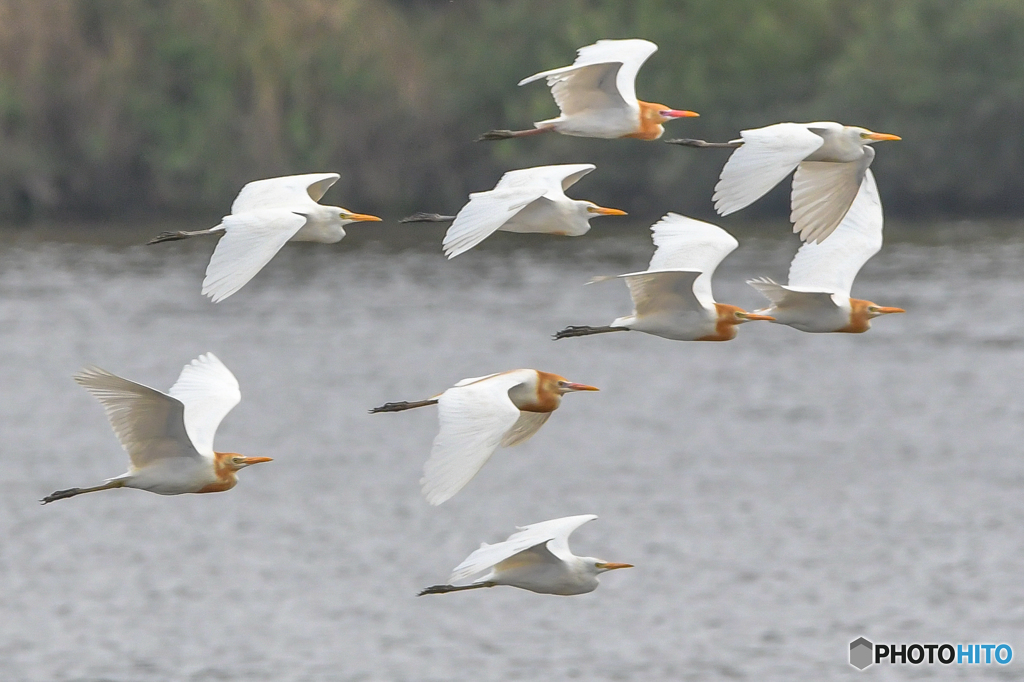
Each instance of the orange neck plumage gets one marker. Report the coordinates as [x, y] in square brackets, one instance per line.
[860, 318]
[650, 121]
[725, 327]
[226, 474]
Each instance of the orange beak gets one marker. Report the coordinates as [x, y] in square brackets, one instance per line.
[601, 210]
[580, 387]
[362, 217]
[753, 316]
[882, 136]
[256, 460]
[677, 113]
[611, 566]
[884, 310]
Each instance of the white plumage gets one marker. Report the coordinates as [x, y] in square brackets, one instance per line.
[830, 160]
[536, 558]
[525, 200]
[266, 215]
[169, 436]
[673, 297]
[817, 296]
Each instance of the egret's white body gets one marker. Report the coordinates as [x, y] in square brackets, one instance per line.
[596, 95]
[264, 216]
[673, 297]
[830, 161]
[817, 297]
[525, 200]
[169, 436]
[537, 558]
[478, 415]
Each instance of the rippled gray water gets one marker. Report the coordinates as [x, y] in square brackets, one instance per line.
[780, 494]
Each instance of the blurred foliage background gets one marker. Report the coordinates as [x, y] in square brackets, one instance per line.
[134, 108]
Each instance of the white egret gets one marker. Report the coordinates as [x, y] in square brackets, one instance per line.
[597, 97]
[265, 215]
[817, 297]
[525, 200]
[169, 436]
[673, 297]
[537, 558]
[830, 161]
[479, 414]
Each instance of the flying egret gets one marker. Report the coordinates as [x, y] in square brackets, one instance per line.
[537, 558]
[525, 200]
[265, 215]
[479, 414]
[830, 161]
[597, 97]
[673, 297]
[169, 436]
[817, 297]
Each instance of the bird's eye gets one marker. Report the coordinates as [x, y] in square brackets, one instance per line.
[236, 460]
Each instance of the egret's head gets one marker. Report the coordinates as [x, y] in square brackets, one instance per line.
[594, 209]
[862, 312]
[349, 217]
[869, 137]
[236, 461]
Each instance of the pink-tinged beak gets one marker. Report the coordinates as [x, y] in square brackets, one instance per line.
[362, 217]
[611, 566]
[601, 210]
[882, 310]
[677, 113]
[256, 460]
[882, 136]
[570, 386]
[755, 316]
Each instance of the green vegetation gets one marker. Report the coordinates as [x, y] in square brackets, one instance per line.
[129, 107]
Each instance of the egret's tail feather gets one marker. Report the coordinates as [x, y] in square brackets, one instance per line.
[571, 331]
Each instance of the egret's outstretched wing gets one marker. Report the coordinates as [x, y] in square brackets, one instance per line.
[484, 214]
[524, 428]
[662, 291]
[474, 419]
[209, 391]
[785, 297]
[560, 177]
[602, 77]
[287, 192]
[149, 424]
[767, 156]
[553, 534]
[832, 265]
[687, 244]
[822, 194]
[250, 241]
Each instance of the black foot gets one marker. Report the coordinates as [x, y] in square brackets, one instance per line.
[569, 332]
[60, 495]
[427, 218]
[497, 135]
[166, 237]
[687, 142]
[402, 405]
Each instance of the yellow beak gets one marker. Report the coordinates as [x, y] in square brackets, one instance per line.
[605, 211]
[882, 136]
[256, 460]
[884, 310]
[579, 387]
[611, 566]
[361, 217]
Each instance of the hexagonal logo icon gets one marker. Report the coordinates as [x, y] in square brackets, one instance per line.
[861, 653]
